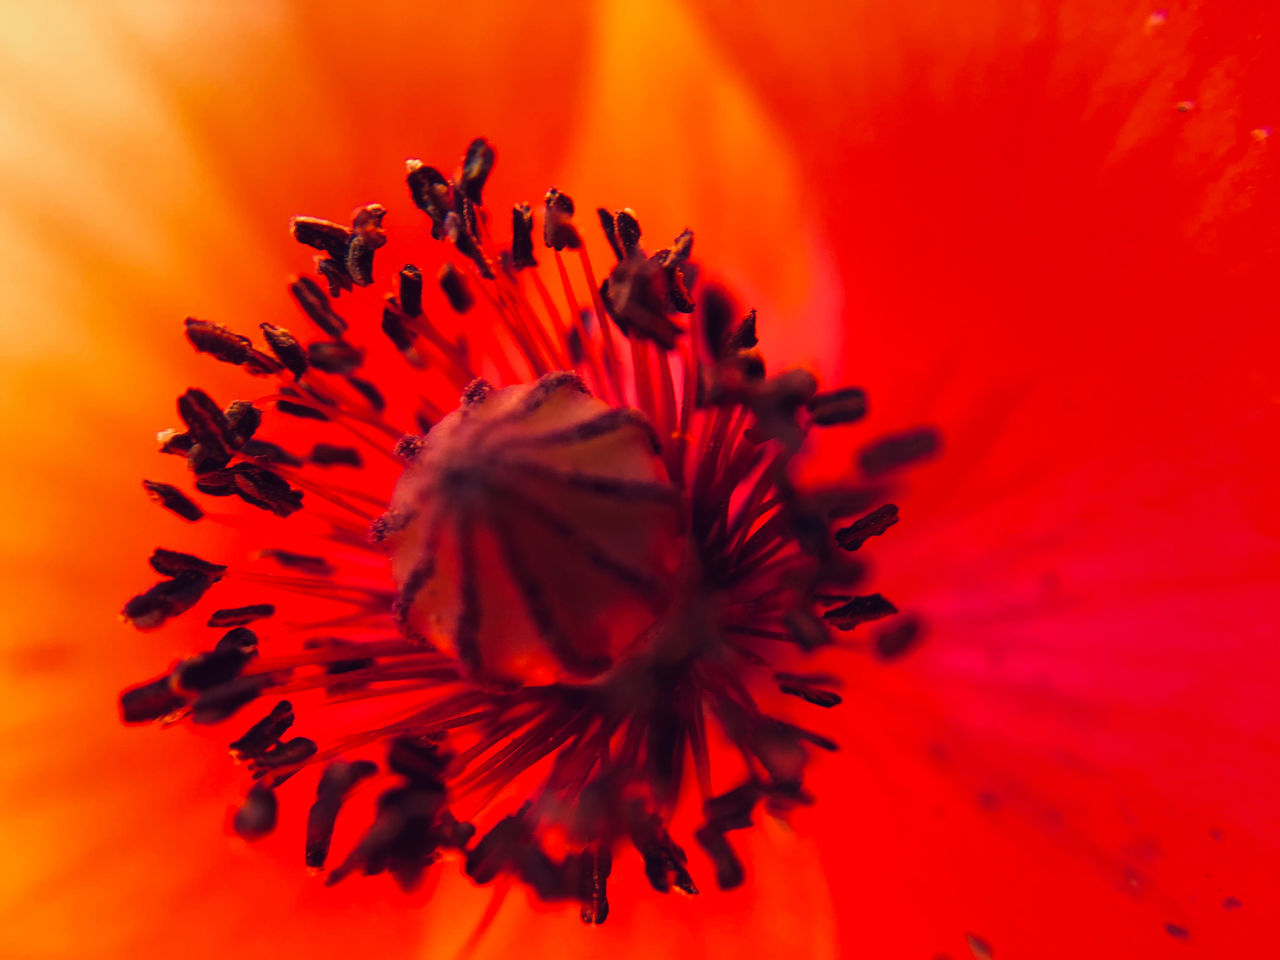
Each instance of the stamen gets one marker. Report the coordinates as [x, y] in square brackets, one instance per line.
[580, 589]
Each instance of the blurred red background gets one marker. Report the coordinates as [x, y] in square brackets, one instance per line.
[1049, 228]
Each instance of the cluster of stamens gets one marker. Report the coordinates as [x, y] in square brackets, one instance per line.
[595, 557]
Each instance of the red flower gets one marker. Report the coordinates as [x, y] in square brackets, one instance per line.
[1053, 236]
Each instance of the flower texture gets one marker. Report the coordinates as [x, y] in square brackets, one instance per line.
[592, 560]
[1049, 228]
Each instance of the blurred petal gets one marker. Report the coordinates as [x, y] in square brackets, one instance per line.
[1075, 207]
[1033, 246]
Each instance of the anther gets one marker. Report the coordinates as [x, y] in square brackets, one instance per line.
[335, 784]
[477, 164]
[154, 700]
[455, 288]
[302, 562]
[314, 302]
[264, 734]
[859, 610]
[522, 237]
[411, 290]
[330, 455]
[558, 231]
[839, 406]
[369, 391]
[899, 639]
[171, 563]
[257, 815]
[240, 616]
[286, 348]
[173, 499]
[898, 450]
[431, 193]
[873, 524]
[334, 356]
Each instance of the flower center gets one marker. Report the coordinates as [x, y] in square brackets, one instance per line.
[534, 535]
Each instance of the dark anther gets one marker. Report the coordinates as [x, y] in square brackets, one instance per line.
[242, 640]
[462, 238]
[743, 336]
[732, 810]
[218, 704]
[431, 193]
[898, 639]
[411, 290]
[369, 391]
[150, 701]
[498, 848]
[898, 450]
[334, 356]
[522, 237]
[325, 235]
[260, 364]
[336, 782]
[595, 863]
[166, 600]
[665, 863]
[859, 610]
[402, 840]
[396, 330]
[239, 616]
[729, 872]
[476, 167]
[576, 352]
[547, 879]
[980, 949]
[171, 563]
[681, 246]
[628, 233]
[367, 236]
[208, 427]
[171, 498]
[176, 443]
[259, 487]
[300, 410]
[418, 760]
[838, 406]
[1231, 903]
[636, 297]
[204, 671]
[610, 228]
[452, 832]
[330, 455]
[286, 348]
[816, 695]
[806, 629]
[872, 525]
[335, 272]
[477, 391]
[270, 453]
[243, 420]
[286, 754]
[678, 296]
[717, 314]
[305, 563]
[315, 304]
[334, 667]
[216, 340]
[558, 231]
[455, 288]
[257, 815]
[409, 446]
[264, 734]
